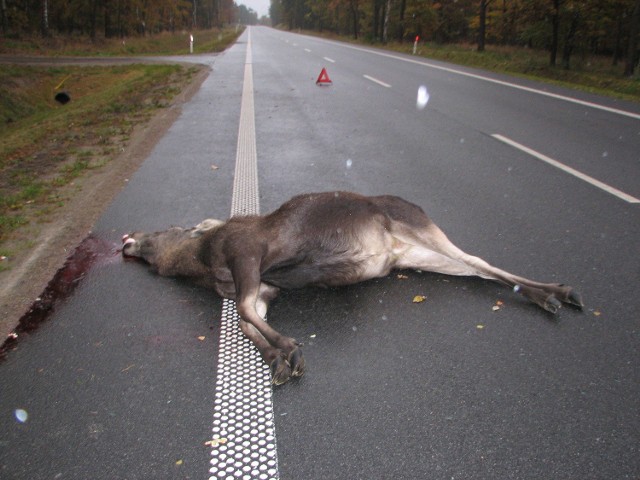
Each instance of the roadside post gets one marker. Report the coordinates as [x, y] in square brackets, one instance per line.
[190, 43]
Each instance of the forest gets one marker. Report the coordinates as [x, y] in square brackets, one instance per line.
[117, 18]
[563, 27]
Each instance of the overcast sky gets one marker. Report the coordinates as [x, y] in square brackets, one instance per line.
[260, 6]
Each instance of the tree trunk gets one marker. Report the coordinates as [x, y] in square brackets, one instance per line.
[632, 49]
[375, 29]
[403, 8]
[108, 28]
[195, 14]
[385, 27]
[45, 18]
[93, 21]
[119, 26]
[568, 43]
[617, 44]
[355, 17]
[5, 20]
[555, 20]
[482, 28]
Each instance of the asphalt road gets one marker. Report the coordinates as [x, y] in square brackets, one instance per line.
[119, 383]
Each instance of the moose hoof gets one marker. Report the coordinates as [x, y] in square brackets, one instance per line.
[280, 371]
[575, 298]
[552, 304]
[297, 363]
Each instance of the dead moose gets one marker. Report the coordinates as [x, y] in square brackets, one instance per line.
[319, 239]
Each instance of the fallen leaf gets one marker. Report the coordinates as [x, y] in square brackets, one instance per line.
[179, 462]
[201, 338]
[499, 303]
[128, 368]
[215, 442]
[313, 335]
[214, 167]
[419, 299]
[495, 308]
[402, 277]
[479, 327]
[597, 313]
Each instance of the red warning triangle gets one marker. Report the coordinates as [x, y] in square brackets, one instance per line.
[324, 79]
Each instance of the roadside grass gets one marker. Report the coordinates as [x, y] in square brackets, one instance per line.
[166, 43]
[45, 146]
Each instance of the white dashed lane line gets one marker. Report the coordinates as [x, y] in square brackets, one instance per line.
[565, 168]
[375, 80]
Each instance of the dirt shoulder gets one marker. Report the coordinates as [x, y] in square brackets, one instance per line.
[69, 224]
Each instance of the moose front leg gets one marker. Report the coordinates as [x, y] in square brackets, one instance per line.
[281, 353]
[277, 360]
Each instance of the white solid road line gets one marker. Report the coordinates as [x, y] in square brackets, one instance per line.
[375, 80]
[597, 183]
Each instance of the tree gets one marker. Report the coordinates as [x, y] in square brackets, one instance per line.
[5, 21]
[319, 15]
[247, 16]
[453, 19]
[569, 40]
[385, 28]
[632, 49]
[401, 25]
[555, 25]
[354, 11]
[482, 28]
[45, 18]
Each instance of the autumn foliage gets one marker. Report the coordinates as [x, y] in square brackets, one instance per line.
[115, 18]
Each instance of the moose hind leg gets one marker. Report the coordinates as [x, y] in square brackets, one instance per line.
[431, 250]
[549, 296]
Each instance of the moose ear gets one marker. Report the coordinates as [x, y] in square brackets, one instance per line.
[205, 226]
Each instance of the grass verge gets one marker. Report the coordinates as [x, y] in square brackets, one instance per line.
[44, 146]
